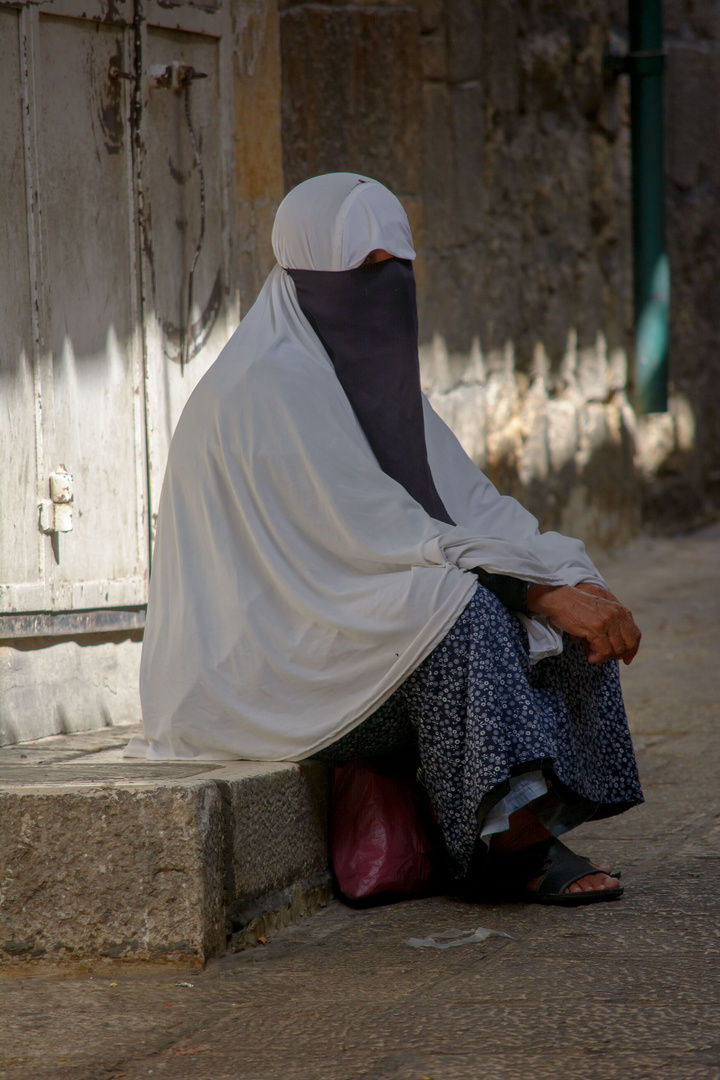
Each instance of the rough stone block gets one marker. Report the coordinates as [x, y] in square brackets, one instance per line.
[502, 398]
[466, 110]
[437, 164]
[257, 126]
[257, 132]
[351, 84]
[465, 53]
[655, 434]
[546, 68]
[501, 44]
[112, 871]
[592, 371]
[593, 433]
[692, 97]
[431, 14]
[532, 453]
[104, 860]
[434, 55]
[463, 410]
[562, 432]
[587, 64]
[272, 847]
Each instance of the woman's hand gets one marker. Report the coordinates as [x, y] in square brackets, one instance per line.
[590, 615]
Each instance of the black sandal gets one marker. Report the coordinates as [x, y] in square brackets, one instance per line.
[505, 877]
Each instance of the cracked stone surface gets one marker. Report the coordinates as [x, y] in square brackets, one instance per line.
[103, 859]
[621, 991]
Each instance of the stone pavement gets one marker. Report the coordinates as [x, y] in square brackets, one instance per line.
[625, 990]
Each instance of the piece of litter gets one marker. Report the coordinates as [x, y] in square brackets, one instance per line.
[191, 985]
[113, 984]
[448, 939]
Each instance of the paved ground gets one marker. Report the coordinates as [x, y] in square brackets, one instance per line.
[626, 990]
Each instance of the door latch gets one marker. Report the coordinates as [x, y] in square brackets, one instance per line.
[115, 73]
[174, 76]
[56, 513]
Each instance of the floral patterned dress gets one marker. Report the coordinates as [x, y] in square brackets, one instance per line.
[480, 716]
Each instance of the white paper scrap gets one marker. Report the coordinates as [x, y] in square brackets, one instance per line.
[448, 939]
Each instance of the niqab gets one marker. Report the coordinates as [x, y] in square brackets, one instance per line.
[367, 321]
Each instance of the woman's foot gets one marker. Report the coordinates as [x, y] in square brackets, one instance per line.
[589, 883]
[525, 829]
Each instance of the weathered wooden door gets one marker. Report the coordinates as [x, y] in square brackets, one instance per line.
[114, 281]
[185, 179]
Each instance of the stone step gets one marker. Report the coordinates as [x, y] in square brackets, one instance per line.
[105, 860]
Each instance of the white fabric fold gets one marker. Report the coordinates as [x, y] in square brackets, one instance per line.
[295, 585]
[524, 789]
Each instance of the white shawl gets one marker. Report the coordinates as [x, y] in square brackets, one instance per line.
[295, 585]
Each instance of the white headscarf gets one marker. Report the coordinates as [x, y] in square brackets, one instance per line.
[333, 222]
[295, 585]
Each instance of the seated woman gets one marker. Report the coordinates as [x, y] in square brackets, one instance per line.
[333, 577]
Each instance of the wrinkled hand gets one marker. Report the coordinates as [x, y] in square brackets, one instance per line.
[590, 615]
[596, 590]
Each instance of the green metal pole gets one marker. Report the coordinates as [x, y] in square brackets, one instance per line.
[645, 64]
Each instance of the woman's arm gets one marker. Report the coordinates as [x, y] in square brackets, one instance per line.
[590, 614]
[510, 591]
[574, 598]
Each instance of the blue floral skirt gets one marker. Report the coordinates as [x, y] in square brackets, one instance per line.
[478, 714]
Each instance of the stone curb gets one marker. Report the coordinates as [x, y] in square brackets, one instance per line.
[105, 861]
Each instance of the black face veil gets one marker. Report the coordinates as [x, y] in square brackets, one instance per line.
[367, 321]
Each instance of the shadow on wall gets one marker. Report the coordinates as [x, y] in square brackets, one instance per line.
[566, 443]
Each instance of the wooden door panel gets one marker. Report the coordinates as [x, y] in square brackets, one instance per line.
[185, 197]
[100, 341]
[21, 545]
[86, 185]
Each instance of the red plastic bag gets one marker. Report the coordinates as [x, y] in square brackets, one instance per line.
[382, 836]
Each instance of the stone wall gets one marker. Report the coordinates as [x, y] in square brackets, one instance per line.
[496, 124]
[686, 485]
[526, 287]
[257, 137]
